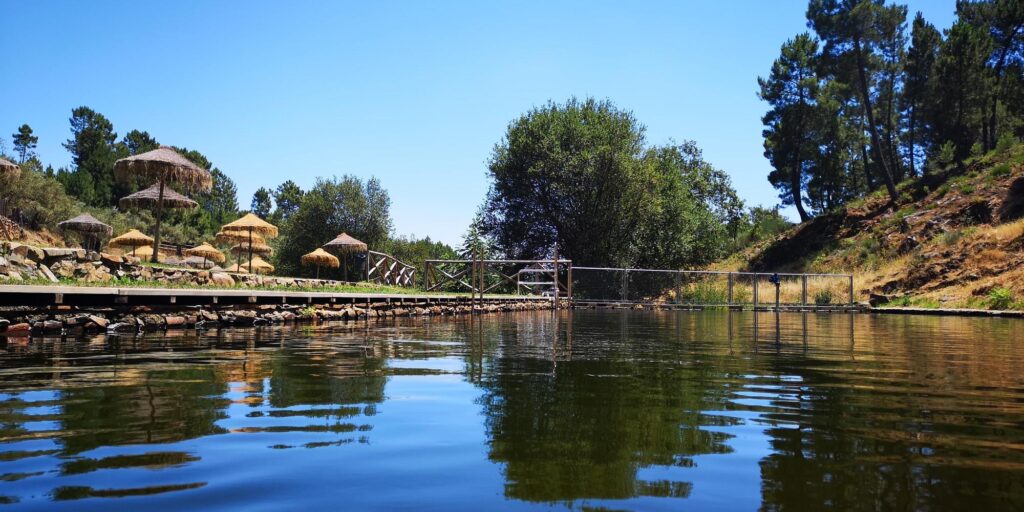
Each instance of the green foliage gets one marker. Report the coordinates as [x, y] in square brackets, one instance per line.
[1000, 170]
[1001, 298]
[261, 203]
[578, 175]
[24, 143]
[704, 293]
[758, 224]
[823, 297]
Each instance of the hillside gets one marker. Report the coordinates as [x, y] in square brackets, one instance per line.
[954, 239]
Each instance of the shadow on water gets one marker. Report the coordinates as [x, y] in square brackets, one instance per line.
[584, 409]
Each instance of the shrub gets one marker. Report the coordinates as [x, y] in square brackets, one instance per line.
[1000, 298]
[951, 237]
[943, 190]
[823, 297]
[1000, 170]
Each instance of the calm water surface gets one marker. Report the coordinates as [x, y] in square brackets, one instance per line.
[581, 410]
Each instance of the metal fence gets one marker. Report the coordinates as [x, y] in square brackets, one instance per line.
[709, 288]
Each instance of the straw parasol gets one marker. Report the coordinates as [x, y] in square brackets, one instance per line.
[133, 238]
[88, 226]
[345, 245]
[237, 268]
[253, 248]
[258, 265]
[228, 238]
[143, 252]
[163, 165]
[320, 258]
[207, 252]
[252, 225]
[150, 198]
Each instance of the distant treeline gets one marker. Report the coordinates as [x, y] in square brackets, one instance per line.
[863, 103]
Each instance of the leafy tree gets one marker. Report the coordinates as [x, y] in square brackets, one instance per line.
[919, 87]
[261, 203]
[578, 175]
[93, 150]
[850, 31]
[24, 143]
[962, 81]
[791, 90]
[287, 199]
[137, 142]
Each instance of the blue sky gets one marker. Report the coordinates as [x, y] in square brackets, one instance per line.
[415, 93]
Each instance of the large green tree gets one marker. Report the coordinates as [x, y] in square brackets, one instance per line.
[919, 84]
[24, 143]
[93, 150]
[791, 89]
[261, 203]
[579, 175]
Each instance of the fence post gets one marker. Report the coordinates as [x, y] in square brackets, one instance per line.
[730, 288]
[679, 297]
[569, 284]
[555, 275]
[851, 290]
[625, 285]
[755, 291]
[803, 290]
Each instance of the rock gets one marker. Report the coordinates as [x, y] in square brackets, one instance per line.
[221, 279]
[99, 321]
[152, 322]
[26, 251]
[4, 323]
[20, 329]
[175, 322]
[14, 275]
[111, 259]
[59, 253]
[48, 274]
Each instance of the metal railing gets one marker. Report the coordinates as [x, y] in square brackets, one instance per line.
[711, 288]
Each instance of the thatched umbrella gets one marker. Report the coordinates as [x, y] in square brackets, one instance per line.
[163, 165]
[150, 198]
[237, 268]
[258, 265]
[230, 237]
[133, 238]
[207, 252]
[345, 245]
[88, 226]
[253, 248]
[252, 225]
[143, 252]
[320, 258]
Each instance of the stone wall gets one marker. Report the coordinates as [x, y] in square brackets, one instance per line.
[20, 262]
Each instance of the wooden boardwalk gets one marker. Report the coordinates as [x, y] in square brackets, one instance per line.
[83, 296]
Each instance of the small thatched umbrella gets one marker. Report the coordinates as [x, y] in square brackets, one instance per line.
[345, 245]
[320, 258]
[88, 226]
[207, 252]
[252, 225]
[258, 265]
[163, 165]
[146, 251]
[253, 248]
[133, 238]
[237, 268]
[150, 198]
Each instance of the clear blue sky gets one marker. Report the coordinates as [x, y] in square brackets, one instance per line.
[415, 93]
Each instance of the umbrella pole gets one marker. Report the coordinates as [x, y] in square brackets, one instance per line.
[250, 250]
[159, 215]
[345, 270]
[318, 271]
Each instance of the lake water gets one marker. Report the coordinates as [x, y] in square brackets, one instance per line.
[583, 410]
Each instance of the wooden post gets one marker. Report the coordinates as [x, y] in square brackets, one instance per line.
[755, 291]
[679, 296]
[159, 216]
[851, 290]
[730, 287]
[569, 284]
[625, 285]
[803, 290]
[554, 273]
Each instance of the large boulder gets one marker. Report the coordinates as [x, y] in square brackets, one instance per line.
[221, 279]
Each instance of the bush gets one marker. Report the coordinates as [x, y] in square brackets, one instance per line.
[1000, 298]
[823, 297]
[1000, 170]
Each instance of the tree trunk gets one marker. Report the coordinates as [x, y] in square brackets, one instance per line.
[876, 141]
[910, 139]
[250, 250]
[794, 175]
[159, 215]
[998, 71]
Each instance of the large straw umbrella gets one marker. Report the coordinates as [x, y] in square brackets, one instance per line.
[252, 225]
[237, 268]
[258, 265]
[88, 226]
[228, 238]
[207, 252]
[163, 165]
[345, 245]
[150, 198]
[253, 248]
[320, 258]
[133, 238]
[8, 169]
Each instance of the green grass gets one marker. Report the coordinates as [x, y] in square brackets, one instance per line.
[908, 301]
[1001, 298]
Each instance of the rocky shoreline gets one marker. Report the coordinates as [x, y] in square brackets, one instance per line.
[15, 324]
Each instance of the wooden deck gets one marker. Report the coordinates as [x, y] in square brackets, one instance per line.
[83, 296]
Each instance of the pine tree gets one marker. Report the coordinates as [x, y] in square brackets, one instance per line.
[24, 143]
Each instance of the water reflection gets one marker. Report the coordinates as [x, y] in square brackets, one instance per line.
[620, 410]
